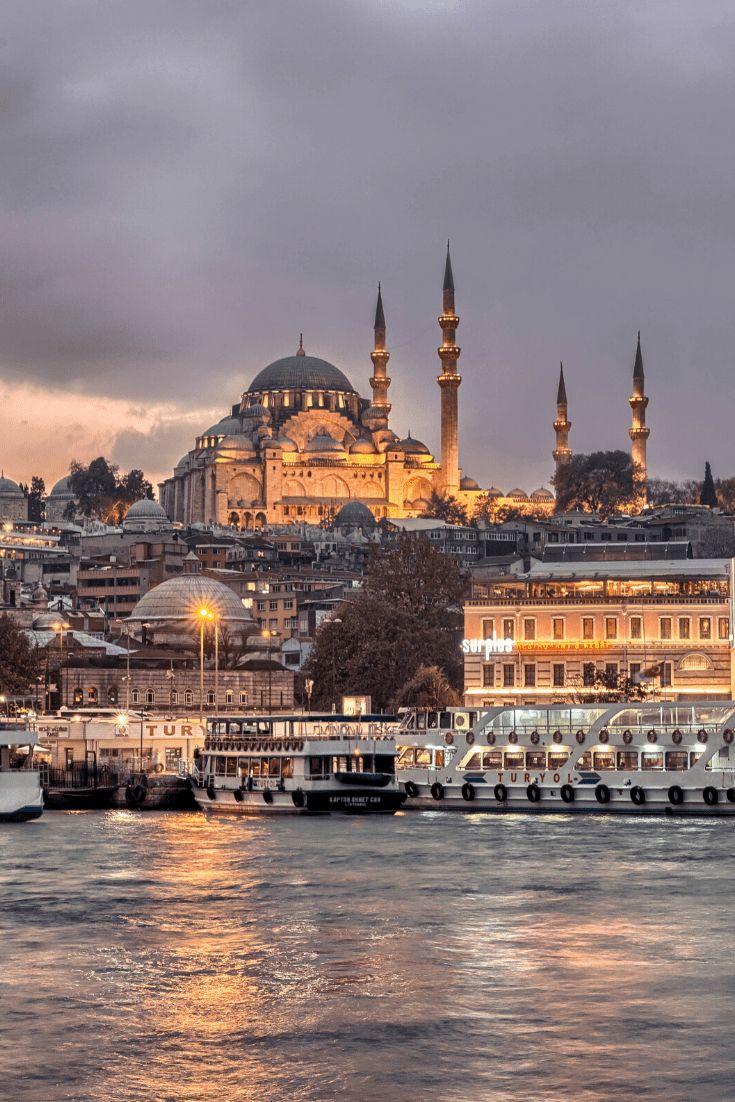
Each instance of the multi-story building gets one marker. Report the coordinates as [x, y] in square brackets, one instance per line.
[547, 634]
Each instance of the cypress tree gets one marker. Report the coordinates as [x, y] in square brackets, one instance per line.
[708, 495]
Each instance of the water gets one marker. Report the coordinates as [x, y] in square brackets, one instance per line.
[427, 956]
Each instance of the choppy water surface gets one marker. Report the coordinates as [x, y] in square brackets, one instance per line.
[171, 957]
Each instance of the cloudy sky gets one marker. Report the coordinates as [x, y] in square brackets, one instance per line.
[188, 184]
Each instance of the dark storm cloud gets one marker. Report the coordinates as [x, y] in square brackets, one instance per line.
[185, 186]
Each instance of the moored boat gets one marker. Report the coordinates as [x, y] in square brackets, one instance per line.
[20, 783]
[297, 765]
[662, 758]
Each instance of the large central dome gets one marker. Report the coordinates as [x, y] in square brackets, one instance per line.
[301, 372]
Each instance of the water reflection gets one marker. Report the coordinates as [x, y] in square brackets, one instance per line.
[431, 957]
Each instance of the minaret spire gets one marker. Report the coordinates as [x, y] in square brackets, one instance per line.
[562, 453]
[379, 380]
[449, 381]
[300, 349]
[638, 431]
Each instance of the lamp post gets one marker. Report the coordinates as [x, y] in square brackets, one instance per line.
[309, 687]
[268, 635]
[61, 626]
[203, 616]
[334, 620]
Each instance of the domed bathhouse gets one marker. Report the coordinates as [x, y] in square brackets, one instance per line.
[146, 515]
[60, 499]
[13, 502]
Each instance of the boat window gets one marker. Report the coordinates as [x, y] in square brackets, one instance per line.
[287, 767]
[316, 766]
[585, 761]
[628, 759]
[492, 759]
[423, 757]
[445, 720]
[652, 759]
[557, 759]
[475, 762]
[407, 757]
[514, 759]
[676, 759]
[604, 759]
[438, 759]
[274, 768]
[432, 721]
[694, 757]
[385, 763]
[221, 768]
[231, 765]
[341, 763]
[255, 766]
[535, 759]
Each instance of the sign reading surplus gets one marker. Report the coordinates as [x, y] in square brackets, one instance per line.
[486, 647]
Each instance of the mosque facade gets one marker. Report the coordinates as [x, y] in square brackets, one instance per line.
[301, 443]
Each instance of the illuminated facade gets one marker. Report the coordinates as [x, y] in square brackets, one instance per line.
[542, 636]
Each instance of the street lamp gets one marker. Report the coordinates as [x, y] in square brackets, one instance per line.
[203, 616]
[309, 687]
[334, 620]
[268, 635]
[61, 626]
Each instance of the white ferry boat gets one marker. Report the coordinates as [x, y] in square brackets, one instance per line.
[298, 764]
[663, 758]
[20, 782]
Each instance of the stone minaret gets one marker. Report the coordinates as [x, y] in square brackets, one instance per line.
[562, 452]
[638, 432]
[449, 381]
[380, 381]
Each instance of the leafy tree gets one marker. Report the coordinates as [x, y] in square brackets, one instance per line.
[443, 507]
[664, 492]
[601, 482]
[408, 615]
[490, 510]
[20, 661]
[708, 495]
[726, 493]
[103, 493]
[428, 688]
[36, 494]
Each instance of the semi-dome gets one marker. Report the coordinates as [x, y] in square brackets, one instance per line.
[182, 600]
[354, 515]
[7, 486]
[237, 442]
[468, 483]
[228, 426]
[413, 447]
[257, 409]
[287, 444]
[301, 372]
[184, 463]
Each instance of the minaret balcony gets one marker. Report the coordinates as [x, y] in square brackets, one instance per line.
[448, 321]
[449, 379]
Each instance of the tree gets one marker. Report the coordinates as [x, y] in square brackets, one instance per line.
[709, 494]
[490, 510]
[103, 493]
[663, 492]
[726, 493]
[20, 661]
[36, 495]
[601, 482]
[428, 688]
[447, 508]
[408, 615]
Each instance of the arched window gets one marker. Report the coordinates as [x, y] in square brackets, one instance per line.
[210, 697]
[150, 696]
[92, 695]
[135, 696]
[174, 696]
[112, 695]
[78, 696]
[229, 697]
[188, 697]
[243, 698]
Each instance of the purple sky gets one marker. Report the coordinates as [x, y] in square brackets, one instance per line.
[188, 185]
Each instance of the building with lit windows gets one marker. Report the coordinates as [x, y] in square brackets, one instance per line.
[542, 635]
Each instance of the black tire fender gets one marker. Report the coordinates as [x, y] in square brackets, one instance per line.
[567, 793]
[468, 791]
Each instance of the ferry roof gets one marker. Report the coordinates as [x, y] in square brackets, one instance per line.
[655, 568]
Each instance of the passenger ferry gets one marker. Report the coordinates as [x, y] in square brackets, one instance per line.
[20, 782]
[298, 764]
[643, 759]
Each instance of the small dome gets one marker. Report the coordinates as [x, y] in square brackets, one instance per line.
[517, 495]
[62, 488]
[49, 621]
[256, 410]
[146, 509]
[468, 483]
[323, 442]
[287, 444]
[354, 515]
[182, 598]
[413, 447]
[542, 494]
[237, 443]
[183, 463]
[300, 372]
[494, 492]
[363, 446]
[7, 486]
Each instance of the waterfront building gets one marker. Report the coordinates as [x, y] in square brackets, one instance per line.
[543, 634]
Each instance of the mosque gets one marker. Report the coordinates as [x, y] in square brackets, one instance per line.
[301, 443]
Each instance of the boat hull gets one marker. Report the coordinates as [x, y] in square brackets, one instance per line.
[79, 799]
[21, 797]
[324, 802]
